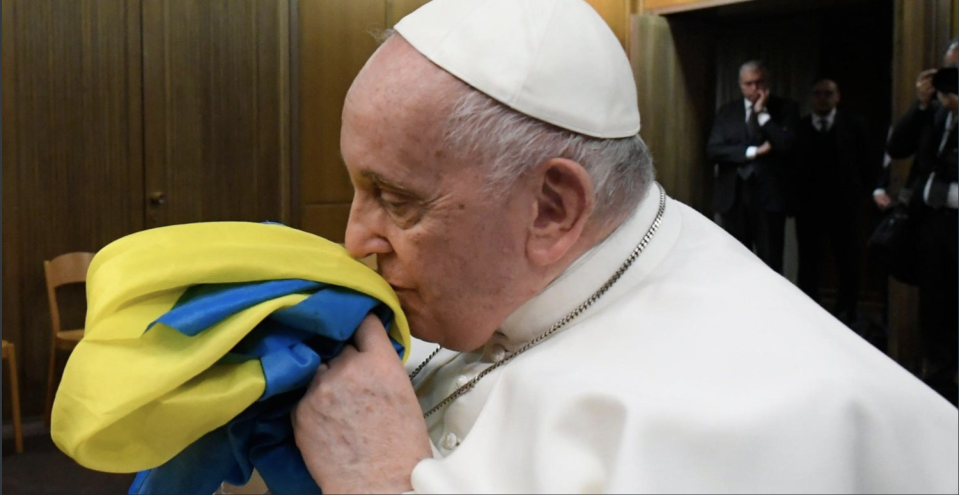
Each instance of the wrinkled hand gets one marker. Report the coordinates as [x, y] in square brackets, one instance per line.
[359, 425]
[761, 102]
[764, 149]
[924, 89]
[882, 200]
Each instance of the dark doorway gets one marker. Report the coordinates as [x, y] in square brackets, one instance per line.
[848, 41]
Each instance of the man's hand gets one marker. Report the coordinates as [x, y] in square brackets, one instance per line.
[760, 103]
[359, 426]
[882, 200]
[949, 102]
[764, 149]
[924, 89]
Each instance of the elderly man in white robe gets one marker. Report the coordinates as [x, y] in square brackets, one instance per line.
[591, 333]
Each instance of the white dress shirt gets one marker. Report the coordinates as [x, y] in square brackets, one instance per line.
[829, 118]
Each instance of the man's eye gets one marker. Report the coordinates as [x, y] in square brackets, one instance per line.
[404, 210]
[393, 201]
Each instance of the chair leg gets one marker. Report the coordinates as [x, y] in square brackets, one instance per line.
[15, 399]
[50, 384]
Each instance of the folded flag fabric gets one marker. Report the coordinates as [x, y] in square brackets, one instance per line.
[199, 340]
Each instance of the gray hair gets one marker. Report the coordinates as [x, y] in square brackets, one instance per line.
[756, 65]
[953, 42]
[511, 143]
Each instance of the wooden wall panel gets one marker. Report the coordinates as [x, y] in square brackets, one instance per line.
[616, 13]
[216, 105]
[11, 232]
[75, 152]
[282, 64]
[334, 41]
[398, 9]
[327, 220]
[673, 81]
[672, 6]
[954, 28]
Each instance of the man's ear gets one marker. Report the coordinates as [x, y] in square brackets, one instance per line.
[563, 204]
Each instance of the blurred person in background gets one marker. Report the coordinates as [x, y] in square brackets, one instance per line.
[751, 142]
[928, 132]
[834, 170]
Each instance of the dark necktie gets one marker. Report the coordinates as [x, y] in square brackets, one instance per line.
[823, 125]
[753, 134]
[752, 128]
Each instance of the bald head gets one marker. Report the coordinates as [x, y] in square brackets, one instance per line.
[399, 87]
[400, 74]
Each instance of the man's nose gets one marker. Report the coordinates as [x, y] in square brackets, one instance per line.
[363, 235]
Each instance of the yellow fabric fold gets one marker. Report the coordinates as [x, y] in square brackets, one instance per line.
[129, 399]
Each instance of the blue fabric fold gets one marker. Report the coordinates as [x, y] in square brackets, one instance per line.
[290, 344]
[203, 306]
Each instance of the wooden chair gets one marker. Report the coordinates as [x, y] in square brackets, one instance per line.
[69, 268]
[10, 356]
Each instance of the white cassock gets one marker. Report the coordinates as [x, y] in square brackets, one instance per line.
[701, 370]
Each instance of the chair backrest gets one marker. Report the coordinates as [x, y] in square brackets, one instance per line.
[69, 268]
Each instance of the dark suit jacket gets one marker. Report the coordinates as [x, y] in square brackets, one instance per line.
[919, 133]
[727, 148]
[819, 184]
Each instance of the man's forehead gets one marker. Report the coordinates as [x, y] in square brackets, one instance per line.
[397, 71]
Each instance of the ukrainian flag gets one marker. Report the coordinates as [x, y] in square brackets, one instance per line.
[199, 339]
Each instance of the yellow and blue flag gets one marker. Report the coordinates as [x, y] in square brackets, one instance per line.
[200, 338]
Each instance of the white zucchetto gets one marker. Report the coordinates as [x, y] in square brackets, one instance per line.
[554, 60]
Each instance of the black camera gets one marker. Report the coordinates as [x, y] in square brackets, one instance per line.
[946, 80]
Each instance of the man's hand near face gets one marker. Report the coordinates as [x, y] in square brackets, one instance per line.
[760, 103]
[359, 426]
[924, 90]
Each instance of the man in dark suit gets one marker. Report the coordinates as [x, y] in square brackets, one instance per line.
[928, 131]
[751, 143]
[834, 172]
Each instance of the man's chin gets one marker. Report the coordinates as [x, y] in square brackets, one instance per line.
[430, 332]
[453, 342]
[427, 335]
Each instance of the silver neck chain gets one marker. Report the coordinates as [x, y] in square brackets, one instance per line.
[556, 326]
